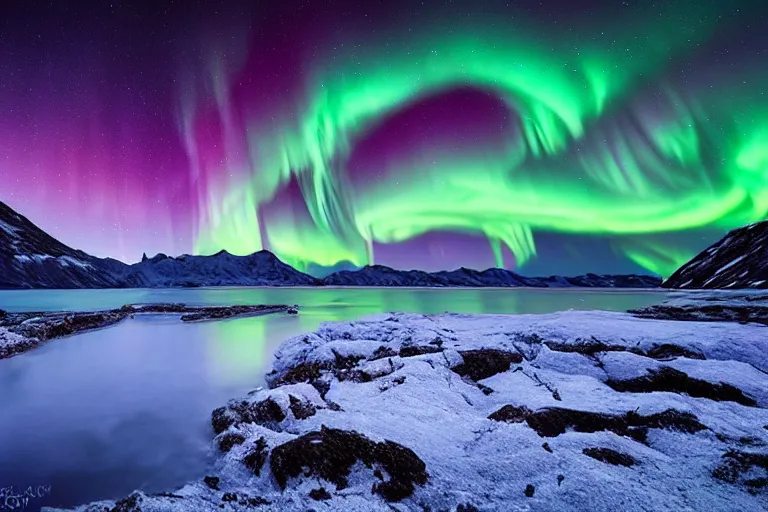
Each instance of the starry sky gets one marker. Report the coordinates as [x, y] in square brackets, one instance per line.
[546, 137]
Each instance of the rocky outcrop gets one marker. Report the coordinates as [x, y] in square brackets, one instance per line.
[738, 260]
[588, 411]
[329, 454]
[714, 306]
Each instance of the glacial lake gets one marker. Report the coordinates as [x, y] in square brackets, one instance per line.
[100, 414]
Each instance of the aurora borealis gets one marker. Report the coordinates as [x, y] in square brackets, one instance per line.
[549, 137]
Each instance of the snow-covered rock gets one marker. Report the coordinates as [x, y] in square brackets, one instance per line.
[569, 411]
[12, 343]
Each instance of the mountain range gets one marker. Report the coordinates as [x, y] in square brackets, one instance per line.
[30, 258]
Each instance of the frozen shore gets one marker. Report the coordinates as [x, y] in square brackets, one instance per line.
[20, 332]
[569, 411]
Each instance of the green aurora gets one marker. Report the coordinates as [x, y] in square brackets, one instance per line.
[608, 140]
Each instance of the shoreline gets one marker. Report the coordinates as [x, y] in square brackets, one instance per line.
[571, 410]
[23, 331]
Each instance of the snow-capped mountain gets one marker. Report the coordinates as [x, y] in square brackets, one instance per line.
[31, 258]
[380, 275]
[739, 260]
[221, 269]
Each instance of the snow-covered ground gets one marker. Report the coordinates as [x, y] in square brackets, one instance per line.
[576, 410]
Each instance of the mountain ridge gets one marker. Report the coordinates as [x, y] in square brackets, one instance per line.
[31, 258]
[736, 261]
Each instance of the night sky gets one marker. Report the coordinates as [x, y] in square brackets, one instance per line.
[547, 137]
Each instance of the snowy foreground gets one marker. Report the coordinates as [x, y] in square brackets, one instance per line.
[592, 411]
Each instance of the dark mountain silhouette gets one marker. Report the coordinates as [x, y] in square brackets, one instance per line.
[30, 258]
[379, 275]
[738, 260]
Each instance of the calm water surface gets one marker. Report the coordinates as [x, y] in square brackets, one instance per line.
[100, 414]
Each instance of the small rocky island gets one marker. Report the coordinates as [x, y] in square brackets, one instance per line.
[664, 408]
[20, 332]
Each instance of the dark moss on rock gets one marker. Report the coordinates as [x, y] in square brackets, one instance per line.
[593, 346]
[212, 482]
[669, 351]
[257, 456]
[333, 406]
[267, 413]
[418, 350]
[319, 494]
[485, 389]
[130, 503]
[553, 421]
[671, 419]
[757, 483]
[353, 375]
[610, 456]
[301, 409]
[229, 440]
[330, 454]
[588, 347]
[674, 381]
[483, 363]
[221, 419]
[735, 464]
[511, 414]
[382, 352]
[303, 372]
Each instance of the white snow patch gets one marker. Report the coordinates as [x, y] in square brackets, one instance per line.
[12, 231]
[39, 258]
[11, 343]
[69, 260]
[729, 265]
